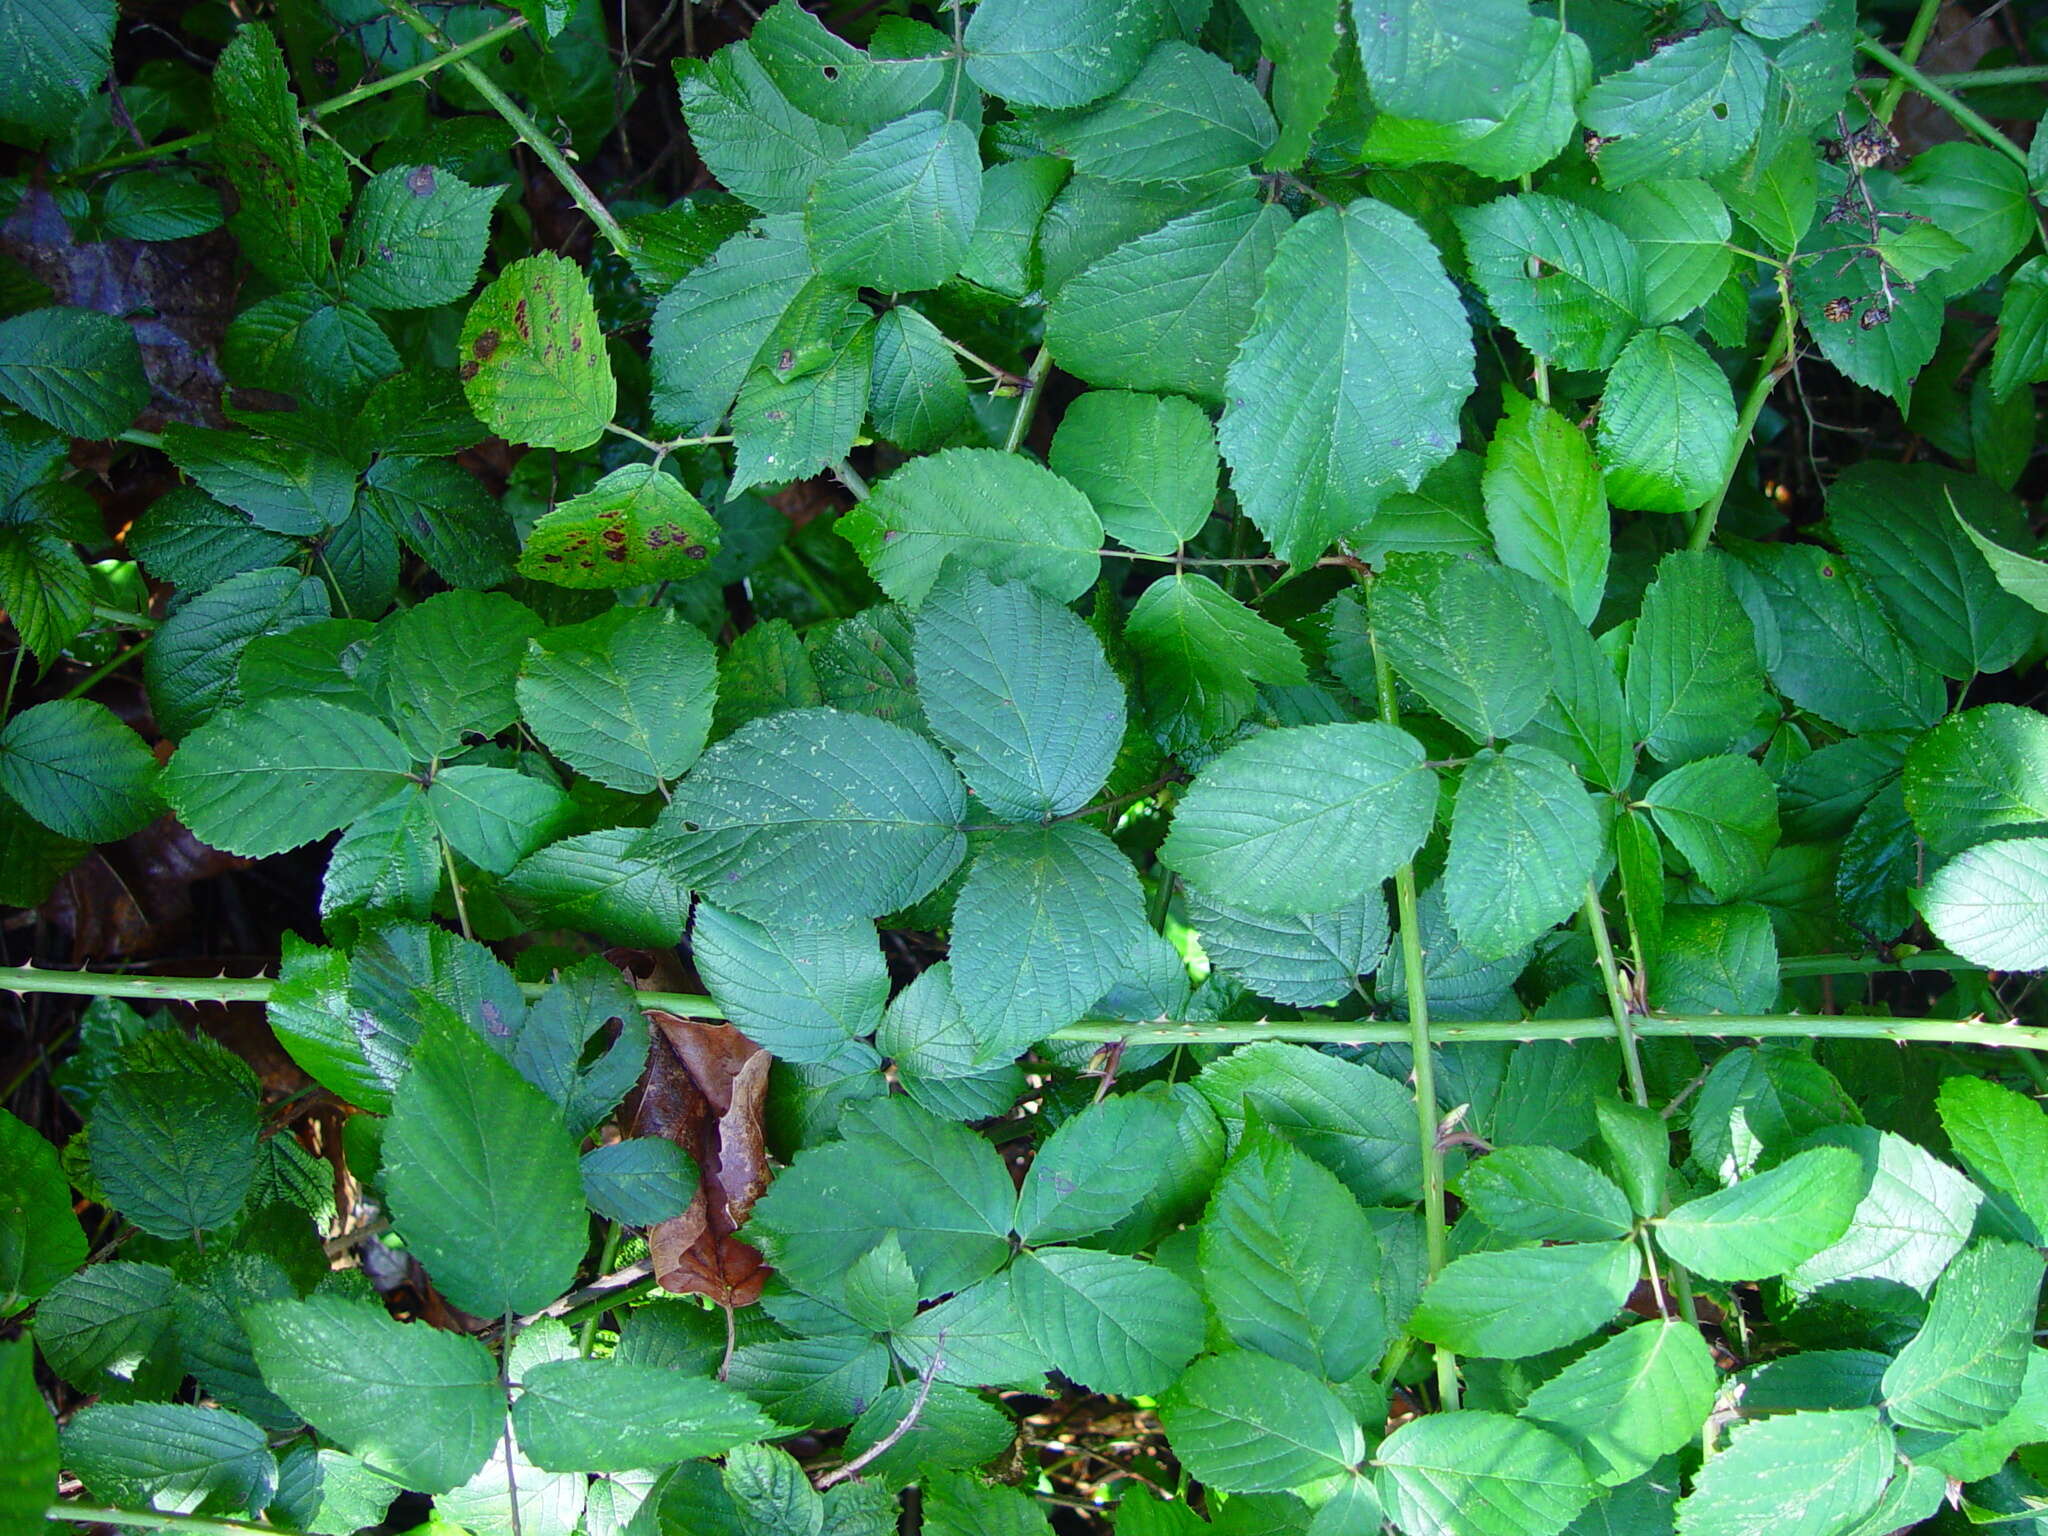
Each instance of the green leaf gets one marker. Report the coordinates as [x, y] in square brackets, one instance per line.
[801, 405]
[996, 511]
[1692, 108]
[2025, 578]
[1638, 1397]
[280, 773]
[1304, 820]
[750, 136]
[985, 1338]
[896, 213]
[834, 81]
[600, 881]
[1003, 255]
[773, 1495]
[421, 1405]
[1147, 462]
[955, 1429]
[445, 517]
[1349, 382]
[709, 329]
[938, 1186]
[170, 1456]
[1977, 775]
[482, 1176]
[1246, 1423]
[1904, 528]
[46, 591]
[1108, 1322]
[1667, 425]
[1464, 637]
[1019, 692]
[284, 487]
[1716, 960]
[1301, 37]
[1355, 1122]
[327, 356]
[1539, 1194]
[78, 770]
[59, 51]
[1201, 655]
[1998, 1134]
[1307, 961]
[610, 1416]
[1770, 1221]
[1584, 718]
[107, 1317]
[28, 1482]
[187, 538]
[75, 368]
[1563, 279]
[1479, 1304]
[416, 238]
[40, 1239]
[1437, 63]
[1693, 683]
[1544, 504]
[1794, 1474]
[1184, 114]
[1470, 1473]
[1289, 1263]
[960, 1504]
[1043, 926]
[175, 1151]
[1916, 1217]
[1063, 54]
[635, 526]
[802, 993]
[1533, 123]
[2020, 355]
[1525, 838]
[190, 665]
[814, 816]
[1964, 1368]
[1680, 230]
[494, 817]
[1722, 814]
[624, 698]
[1166, 309]
[1838, 656]
[916, 397]
[1093, 1170]
[1991, 904]
[290, 197]
[534, 364]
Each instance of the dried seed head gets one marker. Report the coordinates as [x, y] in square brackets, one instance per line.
[1876, 315]
[1838, 310]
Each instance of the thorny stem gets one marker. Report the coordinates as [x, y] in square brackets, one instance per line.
[904, 1425]
[312, 114]
[1769, 368]
[1916, 39]
[527, 129]
[1905, 74]
[156, 1520]
[1717, 1026]
[1436, 1229]
[455, 888]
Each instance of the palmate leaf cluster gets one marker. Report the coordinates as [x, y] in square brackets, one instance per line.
[1300, 561]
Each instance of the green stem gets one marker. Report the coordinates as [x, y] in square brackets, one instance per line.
[807, 581]
[312, 114]
[1436, 1229]
[154, 1520]
[1767, 371]
[1916, 39]
[612, 1233]
[1027, 402]
[112, 664]
[1905, 75]
[455, 888]
[1781, 1026]
[1979, 79]
[1617, 1004]
[527, 129]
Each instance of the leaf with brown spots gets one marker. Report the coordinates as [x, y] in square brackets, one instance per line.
[636, 525]
[533, 358]
[705, 1090]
